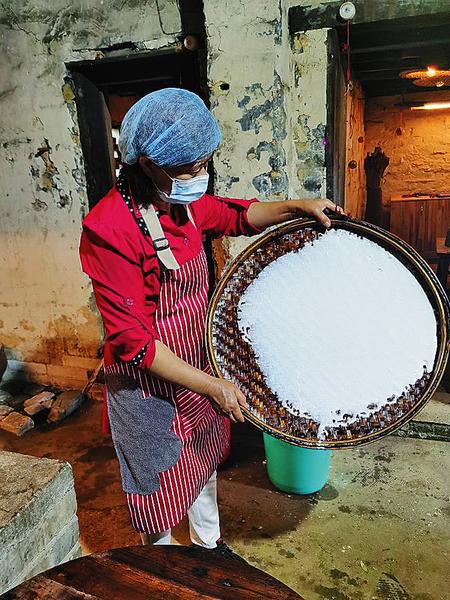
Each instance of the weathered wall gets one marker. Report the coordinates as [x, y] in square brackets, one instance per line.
[268, 92]
[273, 108]
[273, 118]
[45, 301]
[416, 143]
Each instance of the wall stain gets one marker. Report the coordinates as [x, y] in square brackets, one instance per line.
[8, 92]
[39, 205]
[313, 183]
[299, 42]
[12, 341]
[309, 141]
[273, 182]
[48, 179]
[298, 74]
[227, 181]
[309, 147]
[243, 102]
[273, 30]
[78, 173]
[79, 335]
[272, 109]
[26, 325]
[13, 142]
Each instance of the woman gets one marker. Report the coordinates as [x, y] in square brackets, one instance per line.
[142, 248]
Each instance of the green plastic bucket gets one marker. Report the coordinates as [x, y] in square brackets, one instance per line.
[294, 469]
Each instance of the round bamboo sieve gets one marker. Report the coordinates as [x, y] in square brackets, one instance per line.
[231, 357]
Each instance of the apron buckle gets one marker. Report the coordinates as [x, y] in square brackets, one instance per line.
[160, 244]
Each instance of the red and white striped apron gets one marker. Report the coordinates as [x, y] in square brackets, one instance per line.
[180, 323]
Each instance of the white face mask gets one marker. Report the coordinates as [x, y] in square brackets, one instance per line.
[185, 191]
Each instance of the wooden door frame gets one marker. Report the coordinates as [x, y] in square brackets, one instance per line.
[336, 123]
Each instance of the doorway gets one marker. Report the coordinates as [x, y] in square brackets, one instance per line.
[105, 90]
[389, 157]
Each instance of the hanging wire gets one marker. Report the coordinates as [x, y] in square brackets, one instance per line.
[346, 47]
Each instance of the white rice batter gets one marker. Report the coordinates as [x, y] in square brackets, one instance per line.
[339, 326]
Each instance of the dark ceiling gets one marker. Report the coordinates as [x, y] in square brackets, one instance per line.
[381, 50]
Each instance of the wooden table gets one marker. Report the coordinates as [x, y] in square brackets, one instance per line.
[152, 573]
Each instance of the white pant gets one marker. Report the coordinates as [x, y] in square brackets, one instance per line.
[204, 527]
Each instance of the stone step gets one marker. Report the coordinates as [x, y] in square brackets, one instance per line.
[432, 422]
[38, 520]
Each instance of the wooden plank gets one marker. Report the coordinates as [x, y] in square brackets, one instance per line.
[400, 198]
[306, 18]
[371, 62]
[405, 222]
[399, 45]
[390, 87]
[159, 573]
[415, 36]
[42, 587]
[335, 148]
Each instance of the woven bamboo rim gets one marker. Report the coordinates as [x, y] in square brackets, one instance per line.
[264, 412]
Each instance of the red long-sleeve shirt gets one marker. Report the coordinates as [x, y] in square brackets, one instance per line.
[124, 269]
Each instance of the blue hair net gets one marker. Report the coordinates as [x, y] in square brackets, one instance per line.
[171, 126]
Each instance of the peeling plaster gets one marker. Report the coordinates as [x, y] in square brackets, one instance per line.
[273, 29]
[276, 82]
[275, 181]
[78, 173]
[49, 181]
[310, 141]
[44, 196]
[243, 102]
[227, 181]
[93, 25]
[299, 43]
[39, 205]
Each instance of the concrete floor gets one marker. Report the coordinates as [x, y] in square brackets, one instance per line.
[380, 529]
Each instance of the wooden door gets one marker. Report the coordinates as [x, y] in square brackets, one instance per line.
[96, 139]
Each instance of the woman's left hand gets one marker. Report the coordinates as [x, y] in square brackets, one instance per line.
[265, 214]
[315, 209]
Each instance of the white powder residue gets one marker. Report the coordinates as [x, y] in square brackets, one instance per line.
[338, 326]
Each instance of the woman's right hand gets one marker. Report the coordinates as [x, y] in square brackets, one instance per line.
[227, 398]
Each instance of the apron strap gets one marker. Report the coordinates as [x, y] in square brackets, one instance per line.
[160, 242]
[190, 217]
[163, 251]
